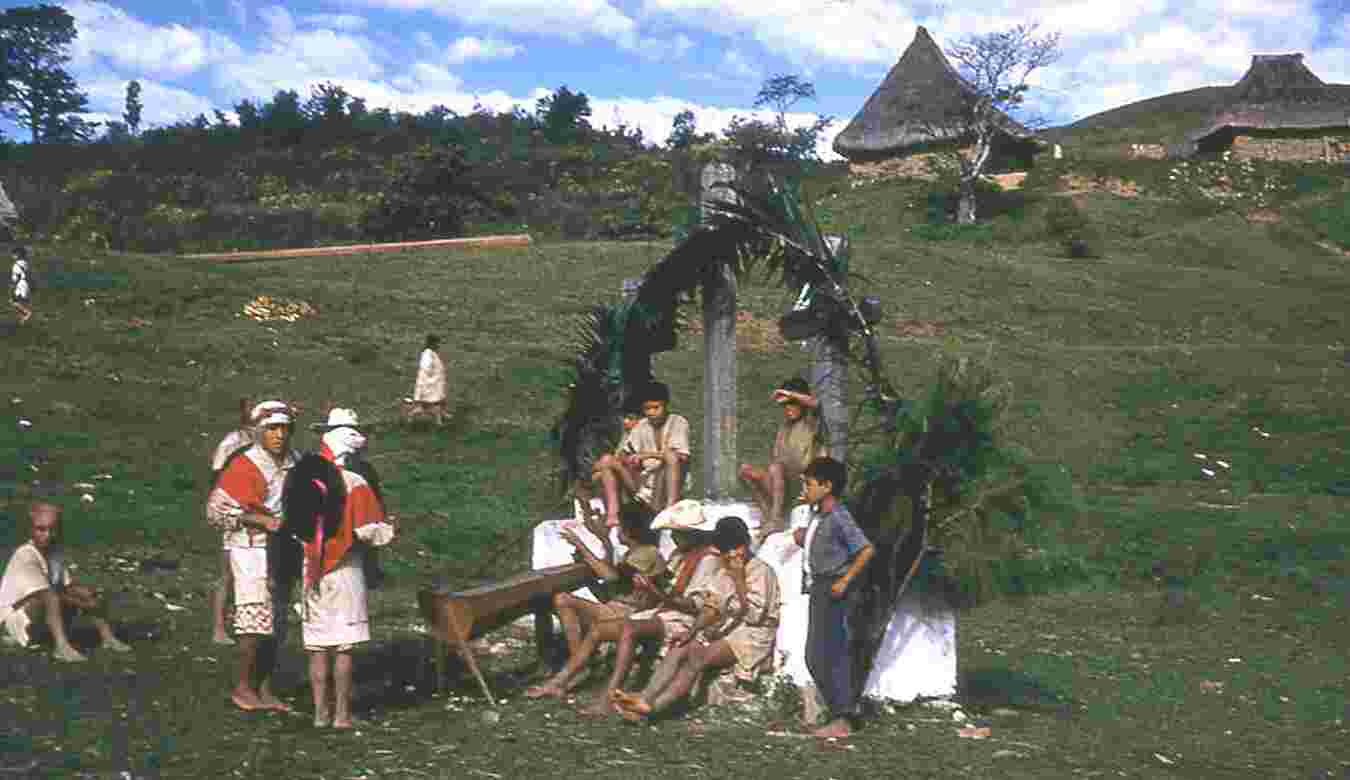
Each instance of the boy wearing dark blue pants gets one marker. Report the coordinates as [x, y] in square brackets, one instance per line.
[836, 553]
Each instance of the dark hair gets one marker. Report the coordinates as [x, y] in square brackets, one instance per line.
[21, 252]
[655, 391]
[827, 469]
[795, 384]
[636, 520]
[632, 408]
[433, 341]
[731, 532]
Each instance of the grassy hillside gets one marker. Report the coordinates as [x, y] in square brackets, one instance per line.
[1209, 644]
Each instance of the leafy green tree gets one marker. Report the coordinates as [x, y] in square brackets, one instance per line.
[684, 132]
[427, 196]
[782, 92]
[132, 114]
[564, 115]
[35, 89]
[327, 104]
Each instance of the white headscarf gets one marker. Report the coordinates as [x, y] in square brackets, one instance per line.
[344, 442]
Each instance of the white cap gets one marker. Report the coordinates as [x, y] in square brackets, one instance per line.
[343, 418]
[686, 515]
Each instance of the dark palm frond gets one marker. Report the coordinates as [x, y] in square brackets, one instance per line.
[589, 423]
[314, 496]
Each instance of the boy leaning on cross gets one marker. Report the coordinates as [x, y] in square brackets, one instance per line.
[836, 552]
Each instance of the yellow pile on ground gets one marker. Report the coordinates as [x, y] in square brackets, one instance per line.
[265, 308]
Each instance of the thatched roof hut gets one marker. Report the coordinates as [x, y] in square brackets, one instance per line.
[1277, 97]
[913, 108]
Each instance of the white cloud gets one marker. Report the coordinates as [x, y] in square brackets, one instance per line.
[342, 22]
[471, 48]
[110, 35]
[572, 20]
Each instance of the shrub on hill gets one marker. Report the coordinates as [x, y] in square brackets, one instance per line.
[1070, 226]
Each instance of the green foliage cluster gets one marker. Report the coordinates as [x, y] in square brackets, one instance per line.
[1331, 219]
[1069, 225]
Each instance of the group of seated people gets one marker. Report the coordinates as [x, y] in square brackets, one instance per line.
[651, 463]
[712, 605]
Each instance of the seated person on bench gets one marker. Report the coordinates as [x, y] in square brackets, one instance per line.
[797, 443]
[696, 567]
[36, 587]
[633, 581]
[655, 457]
[735, 628]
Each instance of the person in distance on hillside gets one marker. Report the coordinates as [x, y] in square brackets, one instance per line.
[796, 444]
[429, 393]
[36, 587]
[21, 285]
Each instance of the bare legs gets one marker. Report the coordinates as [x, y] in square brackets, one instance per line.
[612, 473]
[257, 659]
[560, 683]
[218, 599]
[632, 631]
[341, 715]
[52, 608]
[677, 675]
[768, 486]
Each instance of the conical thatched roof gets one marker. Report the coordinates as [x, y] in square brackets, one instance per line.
[1279, 92]
[912, 107]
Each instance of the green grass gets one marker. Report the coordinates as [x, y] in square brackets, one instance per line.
[1190, 331]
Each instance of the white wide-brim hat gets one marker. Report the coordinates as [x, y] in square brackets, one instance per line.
[686, 515]
[342, 418]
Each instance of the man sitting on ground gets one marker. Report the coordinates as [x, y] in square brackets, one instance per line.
[735, 627]
[36, 587]
[696, 566]
[655, 459]
[797, 443]
[634, 582]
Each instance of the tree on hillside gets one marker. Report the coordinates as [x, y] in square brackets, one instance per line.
[132, 115]
[783, 91]
[995, 68]
[684, 132]
[35, 89]
[755, 141]
[327, 104]
[563, 116]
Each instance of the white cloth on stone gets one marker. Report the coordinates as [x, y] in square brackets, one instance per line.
[917, 657]
[548, 548]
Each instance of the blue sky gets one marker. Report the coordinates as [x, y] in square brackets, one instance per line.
[642, 62]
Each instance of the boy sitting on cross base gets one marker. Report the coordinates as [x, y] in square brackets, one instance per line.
[655, 457]
[799, 440]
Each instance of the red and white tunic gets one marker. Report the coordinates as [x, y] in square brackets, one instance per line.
[336, 614]
[251, 483]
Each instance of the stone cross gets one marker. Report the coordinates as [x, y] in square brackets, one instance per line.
[828, 373]
[719, 356]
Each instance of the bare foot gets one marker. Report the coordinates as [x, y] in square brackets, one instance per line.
[835, 729]
[68, 654]
[221, 639]
[546, 690]
[348, 725]
[270, 702]
[247, 701]
[600, 708]
[116, 645]
[629, 701]
[322, 720]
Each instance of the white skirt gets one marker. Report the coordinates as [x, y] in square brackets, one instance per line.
[335, 614]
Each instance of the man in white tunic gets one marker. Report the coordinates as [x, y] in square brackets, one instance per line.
[245, 504]
[22, 289]
[36, 587]
[336, 616]
[429, 393]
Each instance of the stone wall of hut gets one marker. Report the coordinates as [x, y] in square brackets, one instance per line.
[1300, 147]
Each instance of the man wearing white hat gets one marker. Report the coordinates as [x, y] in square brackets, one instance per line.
[697, 568]
[245, 504]
[336, 618]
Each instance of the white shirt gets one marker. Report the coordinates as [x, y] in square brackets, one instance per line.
[807, 575]
[430, 387]
[18, 277]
